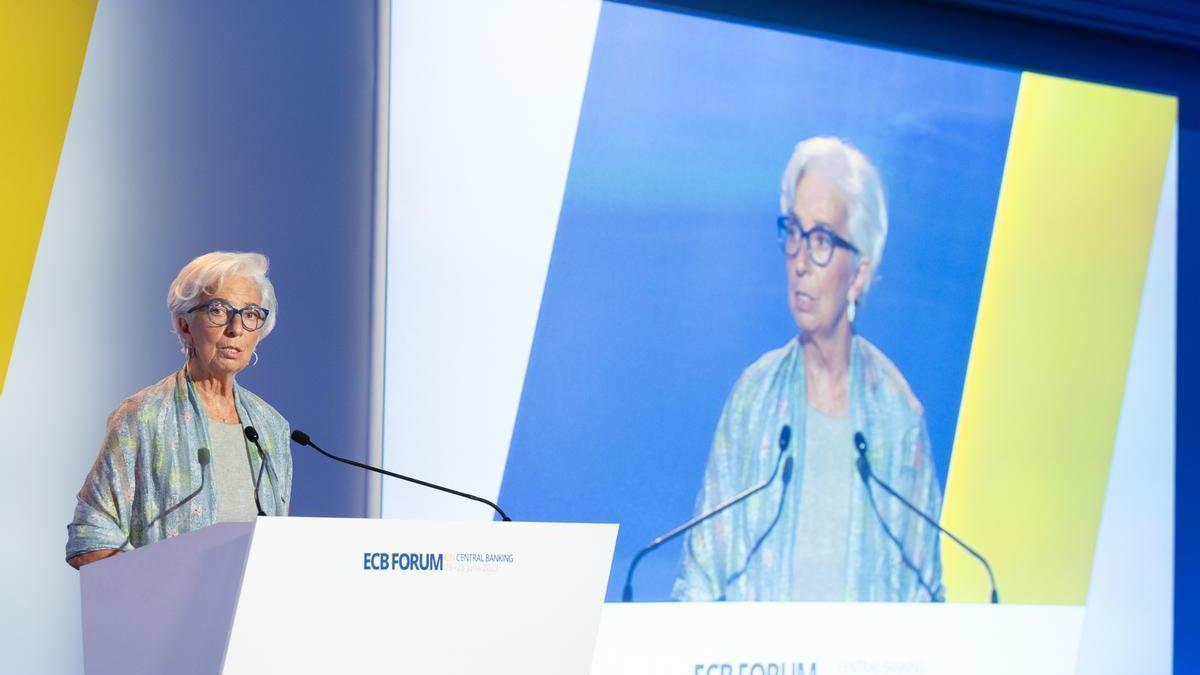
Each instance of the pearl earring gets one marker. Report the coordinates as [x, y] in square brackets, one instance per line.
[851, 310]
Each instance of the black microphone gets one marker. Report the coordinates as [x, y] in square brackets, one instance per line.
[252, 434]
[303, 439]
[202, 456]
[864, 470]
[786, 478]
[785, 438]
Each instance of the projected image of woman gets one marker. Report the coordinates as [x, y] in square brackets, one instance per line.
[177, 455]
[819, 538]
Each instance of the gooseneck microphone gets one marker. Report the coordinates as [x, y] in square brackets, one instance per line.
[202, 456]
[252, 435]
[303, 439]
[887, 530]
[785, 438]
[868, 476]
[786, 478]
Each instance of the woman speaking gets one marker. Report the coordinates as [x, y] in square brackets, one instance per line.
[822, 536]
[194, 448]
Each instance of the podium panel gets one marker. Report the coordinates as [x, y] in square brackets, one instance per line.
[338, 595]
[790, 638]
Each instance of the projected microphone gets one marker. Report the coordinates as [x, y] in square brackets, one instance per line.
[786, 478]
[252, 435]
[785, 438]
[202, 456]
[303, 439]
[867, 475]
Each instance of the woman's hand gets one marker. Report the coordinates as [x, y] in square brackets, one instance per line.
[92, 556]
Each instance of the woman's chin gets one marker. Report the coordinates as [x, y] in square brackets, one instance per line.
[223, 366]
[821, 330]
[806, 323]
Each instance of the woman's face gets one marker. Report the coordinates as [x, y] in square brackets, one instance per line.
[818, 296]
[222, 350]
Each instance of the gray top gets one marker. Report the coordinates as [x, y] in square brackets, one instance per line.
[232, 478]
[823, 521]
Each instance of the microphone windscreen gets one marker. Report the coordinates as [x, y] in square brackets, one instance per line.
[252, 434]
[300, 437]
[202, 455]
[860, 442]
[787, 471]
[785, 437]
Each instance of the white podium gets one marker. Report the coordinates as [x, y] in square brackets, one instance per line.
[317, 595]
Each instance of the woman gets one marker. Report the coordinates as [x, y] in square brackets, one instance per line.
[821, 536]
[176, 456]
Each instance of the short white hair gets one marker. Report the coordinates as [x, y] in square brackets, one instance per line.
[857, 183]
[206, 274]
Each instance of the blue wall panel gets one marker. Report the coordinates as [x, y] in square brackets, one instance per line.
[256, 132]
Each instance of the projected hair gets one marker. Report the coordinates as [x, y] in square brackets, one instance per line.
[857, 183]
[205, 274]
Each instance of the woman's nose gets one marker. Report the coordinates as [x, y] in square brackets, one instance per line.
[801, 262]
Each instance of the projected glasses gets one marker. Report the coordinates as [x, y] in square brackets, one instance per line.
[821, 241]
[220, 313]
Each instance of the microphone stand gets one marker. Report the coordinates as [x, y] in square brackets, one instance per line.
[864, 470]
[203, 456]
[787, 479]
[785, 437]
[252, 435]
[303, 439]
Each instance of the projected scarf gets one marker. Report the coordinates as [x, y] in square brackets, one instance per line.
[717, 562]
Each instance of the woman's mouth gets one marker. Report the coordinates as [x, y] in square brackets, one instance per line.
[229, 352]
[803, 301]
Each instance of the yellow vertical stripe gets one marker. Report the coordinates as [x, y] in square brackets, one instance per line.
[42, 43]
[1053, 337]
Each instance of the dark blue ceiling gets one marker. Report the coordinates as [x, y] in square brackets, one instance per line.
[1172, 22]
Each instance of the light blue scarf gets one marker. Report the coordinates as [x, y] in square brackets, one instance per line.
[149, 464]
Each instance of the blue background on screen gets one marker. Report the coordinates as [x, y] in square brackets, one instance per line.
[666, 279]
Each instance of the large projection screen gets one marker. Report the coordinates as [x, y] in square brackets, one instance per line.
[589, 318]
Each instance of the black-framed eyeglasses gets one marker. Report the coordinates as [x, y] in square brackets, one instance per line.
[821, 240]
[220, 313]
